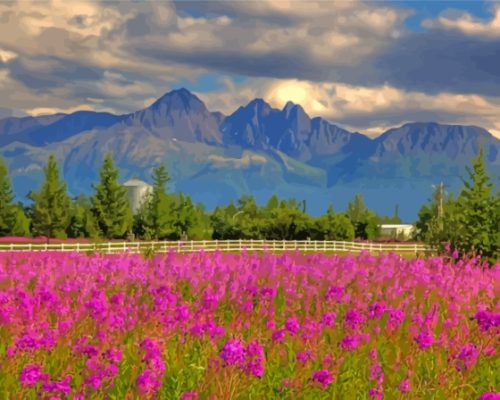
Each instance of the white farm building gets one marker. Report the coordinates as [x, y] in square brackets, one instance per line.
[137, 191]
[397, 230]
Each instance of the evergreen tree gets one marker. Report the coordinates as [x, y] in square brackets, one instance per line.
[186, 216]
[22, 225]
[82, 222]
[365, 221]
[479, 216]
[110, 206]
[8, 210]
[51, 204]
[158, 218]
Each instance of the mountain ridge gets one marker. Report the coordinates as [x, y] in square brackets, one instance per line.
[257, 148]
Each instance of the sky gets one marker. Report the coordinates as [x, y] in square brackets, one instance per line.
[365, 65]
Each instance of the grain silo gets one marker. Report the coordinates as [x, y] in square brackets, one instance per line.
[137, 191]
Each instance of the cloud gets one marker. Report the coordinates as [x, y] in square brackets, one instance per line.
[467, 24]
[437, 61]
[353, 62]
[370, 110]
[292, 39]
[55, 54]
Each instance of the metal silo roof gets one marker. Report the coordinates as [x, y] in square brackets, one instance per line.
[136, 182]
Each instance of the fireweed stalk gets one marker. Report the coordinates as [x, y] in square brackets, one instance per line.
[252, 325]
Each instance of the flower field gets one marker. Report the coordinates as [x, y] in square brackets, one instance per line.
[247, 326]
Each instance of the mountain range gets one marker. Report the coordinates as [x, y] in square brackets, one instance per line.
[257, 150]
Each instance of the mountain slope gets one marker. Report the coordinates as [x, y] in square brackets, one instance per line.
[178, 115]
[257, 149]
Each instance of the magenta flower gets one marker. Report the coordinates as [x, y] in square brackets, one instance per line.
[182, 313]
[94, 381]
[353, 318]
[233, 352]
[31, 375]
[396, 318]
[376, 393]
[350, 342]
[27, 342]
[487, 320]
[329, 319]
[304, 356]
[327, 359]
[324, 377]
[424, 340]
[467, 357]
[404, 386]
[292, 325]
[114, 355]
[335, 293]
[278, 335]
[148, 382]
[376, 372]
[190, 395]
[377, 309]
[61, 386]
[489, 396]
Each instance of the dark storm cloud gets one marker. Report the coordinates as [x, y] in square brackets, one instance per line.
[50, 72]
[440, 61]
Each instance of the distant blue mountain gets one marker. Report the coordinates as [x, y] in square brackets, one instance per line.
[257, 149]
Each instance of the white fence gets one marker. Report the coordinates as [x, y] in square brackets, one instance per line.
[221, 245]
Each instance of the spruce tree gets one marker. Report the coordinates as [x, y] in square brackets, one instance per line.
[110, 206]
[7, 208]
[159, 215]
[478, 214]
[51, 204]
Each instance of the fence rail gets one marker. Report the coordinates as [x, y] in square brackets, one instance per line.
[221, 245]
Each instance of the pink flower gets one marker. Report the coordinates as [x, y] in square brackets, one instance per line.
[31, 375]
[467, 357]
[350, 343]
[489, 396]
[327, 359]
[396, 318]
[487, 320]
[335, 293]
[353, 318]
[271, 324]
[182, 313]
[114, 355]
[278, 335]
[233, 352]
[304, 356]
[376, 372]
[191, 395]
[404, 386]
[424, 340]
[376, 393]
[62, 386]
[148, 382]
[94, 381]
[324, 377]
[377, 309]
[292, 325]
[329, 319]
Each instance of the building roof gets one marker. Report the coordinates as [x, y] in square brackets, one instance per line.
[136, 182]
[395, 226]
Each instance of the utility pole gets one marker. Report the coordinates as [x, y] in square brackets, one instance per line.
[440, 205]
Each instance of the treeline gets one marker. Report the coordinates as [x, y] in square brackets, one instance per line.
[163, 215]
[469, 223]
